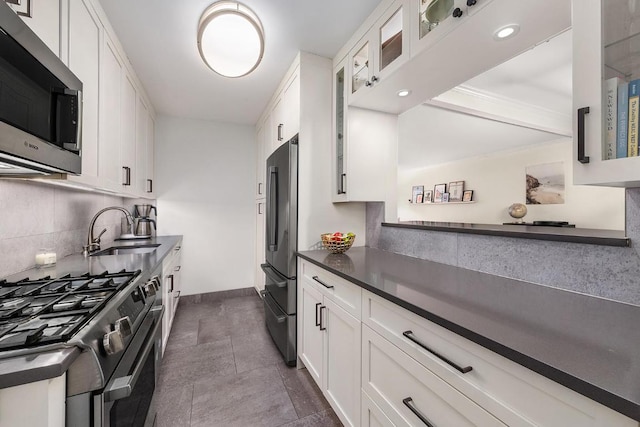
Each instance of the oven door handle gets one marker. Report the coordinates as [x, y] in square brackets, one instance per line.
[123, 387]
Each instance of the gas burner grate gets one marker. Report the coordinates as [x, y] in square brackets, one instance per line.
[49, 310]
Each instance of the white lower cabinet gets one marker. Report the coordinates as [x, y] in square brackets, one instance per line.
[329, 346]
[372, 415]
[171, 288]
[40, 403]
[379, 364]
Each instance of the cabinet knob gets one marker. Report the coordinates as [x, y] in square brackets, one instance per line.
[374, 79]
[457, 12]
[471, 2]
[368, 83]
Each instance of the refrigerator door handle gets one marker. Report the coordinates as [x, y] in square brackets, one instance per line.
[278, 280]
[272, 189]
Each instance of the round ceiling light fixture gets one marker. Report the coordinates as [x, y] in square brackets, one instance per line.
[230, 39]
[404, 92]
[506, 32]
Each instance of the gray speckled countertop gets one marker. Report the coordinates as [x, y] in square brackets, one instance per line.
[15, 370]
[588, 344]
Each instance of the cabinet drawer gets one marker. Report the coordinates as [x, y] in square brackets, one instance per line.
[344, 293]
[411, 395]
[372, 415]
[507, 390]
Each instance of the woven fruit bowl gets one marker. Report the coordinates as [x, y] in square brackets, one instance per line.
[337, 243]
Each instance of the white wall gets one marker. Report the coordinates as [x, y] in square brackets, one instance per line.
[498, 180]
[205, 173]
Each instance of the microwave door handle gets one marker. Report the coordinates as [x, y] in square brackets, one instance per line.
[57, 93]
[123, 387]
[272, 189]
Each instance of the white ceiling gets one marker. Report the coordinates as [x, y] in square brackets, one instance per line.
[540, 77]
[159, 37]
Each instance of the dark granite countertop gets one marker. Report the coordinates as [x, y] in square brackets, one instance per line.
[588, 344]
[557, 234]
[42, 365]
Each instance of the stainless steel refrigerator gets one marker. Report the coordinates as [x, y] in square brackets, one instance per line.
[281, 229]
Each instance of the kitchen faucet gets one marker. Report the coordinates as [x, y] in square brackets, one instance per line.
[93, 244]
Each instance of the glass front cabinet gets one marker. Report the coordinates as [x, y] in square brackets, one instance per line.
[339, 184]
[383, 49]
[606, 88]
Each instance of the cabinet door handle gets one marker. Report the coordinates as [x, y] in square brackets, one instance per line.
[317, 321]
[127, 175]
[170, 277]
[408, 402]
[343, 184]
[322, 328]
[322, 283]
[409, 334]
[581, 113]
[149, 186]
[177, 294]
[260, 209]
[178, 268]
[280, 127]
[260, 188]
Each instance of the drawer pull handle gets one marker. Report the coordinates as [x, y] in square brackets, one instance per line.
[322, 283]
[321, 318]
[317, 321]
[409, 404]
[409, 334]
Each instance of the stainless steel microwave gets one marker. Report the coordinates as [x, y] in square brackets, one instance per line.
[40, 104]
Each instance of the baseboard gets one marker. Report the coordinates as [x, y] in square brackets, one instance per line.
[217, 296]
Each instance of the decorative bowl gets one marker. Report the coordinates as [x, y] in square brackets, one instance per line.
[337, 244]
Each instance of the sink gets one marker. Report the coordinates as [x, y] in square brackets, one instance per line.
[127, 250]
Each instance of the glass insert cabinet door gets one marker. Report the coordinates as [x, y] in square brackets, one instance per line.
[360, 68]
[391, 40]
[606, 92]
[339, 130]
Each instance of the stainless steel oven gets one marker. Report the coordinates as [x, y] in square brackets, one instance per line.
[126, 400]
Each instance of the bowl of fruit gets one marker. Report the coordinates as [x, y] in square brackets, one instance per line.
[338, 242]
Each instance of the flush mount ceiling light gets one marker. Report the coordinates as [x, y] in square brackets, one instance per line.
[506, 32]
[403, 92]
[230, 39]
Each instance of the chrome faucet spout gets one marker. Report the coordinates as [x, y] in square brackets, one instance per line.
[93, 243]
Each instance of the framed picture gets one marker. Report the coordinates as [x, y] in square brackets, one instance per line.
[456, 188]
[428, 196]
[416, 193]
[445, 197]
[438, 191]
[467, 196]
[22, 7]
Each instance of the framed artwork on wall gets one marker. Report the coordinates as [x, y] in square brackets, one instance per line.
[456, 188]
[438, 192]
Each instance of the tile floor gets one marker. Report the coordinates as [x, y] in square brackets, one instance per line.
[221, 368]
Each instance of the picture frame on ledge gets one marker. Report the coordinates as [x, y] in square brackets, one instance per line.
[21, 7]
[438, 192]
[417, 191]
[428, 196]
[467, 196]
[445, 198]
[456, 189]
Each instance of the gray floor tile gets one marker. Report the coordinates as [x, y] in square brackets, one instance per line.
[230, 323]
[252, 398]
[255, 350]
[181, 366]
[320, 419]
[252, 302]
[303, 391]
[182, 338]
[174, 406]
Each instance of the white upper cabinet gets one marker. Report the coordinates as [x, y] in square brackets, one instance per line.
[282, 118]
[128, 102]
[85, 36]
[150, 157]
[381, 51]
[291, 99]
[142, 130]
[110, 170]
[41, 22]
[605, 92]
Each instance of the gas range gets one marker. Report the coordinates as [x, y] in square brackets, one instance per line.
[51, 310]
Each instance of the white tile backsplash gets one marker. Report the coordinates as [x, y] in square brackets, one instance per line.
[34, 215]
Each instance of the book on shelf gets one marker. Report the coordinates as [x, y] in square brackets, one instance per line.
[610, 117]
[634, 118]
[623, 115]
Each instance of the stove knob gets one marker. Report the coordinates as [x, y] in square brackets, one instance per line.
[150, 288]
[113, 342]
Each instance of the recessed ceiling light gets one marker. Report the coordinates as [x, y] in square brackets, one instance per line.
[404, 92]
[506, 32]
[230, 39]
